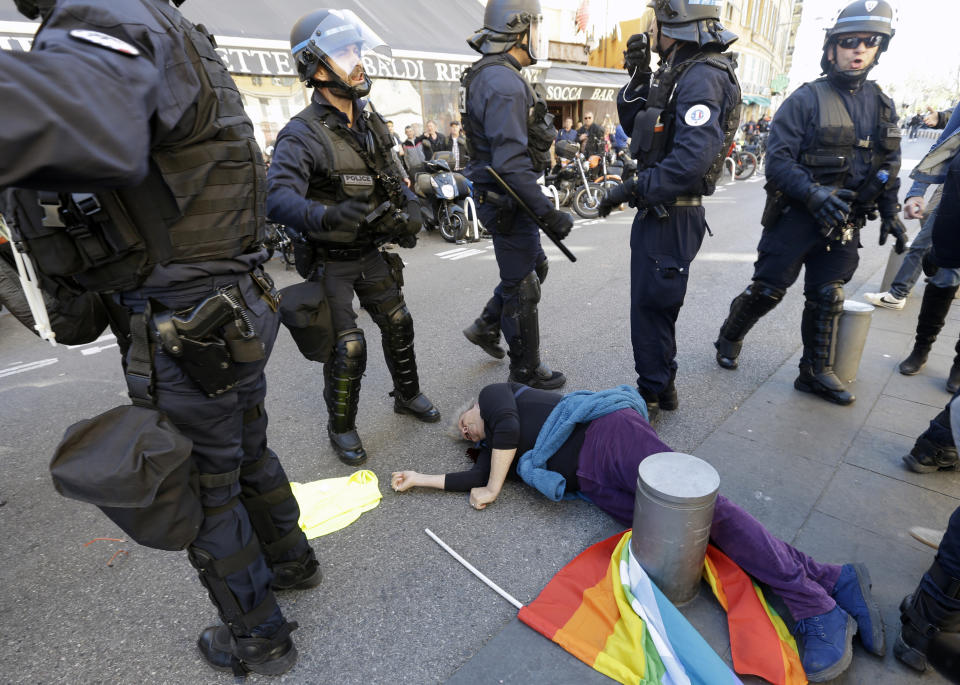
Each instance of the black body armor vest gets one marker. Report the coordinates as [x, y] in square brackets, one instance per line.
[835, 142]
[540, 129]
[655, 125]
[204, 196]
[356, 170]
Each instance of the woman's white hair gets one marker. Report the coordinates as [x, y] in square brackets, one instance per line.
[453, 430]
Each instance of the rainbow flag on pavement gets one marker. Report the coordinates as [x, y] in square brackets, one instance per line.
[603, 609]
[759, 639]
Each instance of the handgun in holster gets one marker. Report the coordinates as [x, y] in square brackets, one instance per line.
[206, 341]
[774, 207]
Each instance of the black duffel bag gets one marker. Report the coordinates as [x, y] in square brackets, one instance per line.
[135, 465]
[305, 312]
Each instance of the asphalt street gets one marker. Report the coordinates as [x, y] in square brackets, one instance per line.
[393, 606]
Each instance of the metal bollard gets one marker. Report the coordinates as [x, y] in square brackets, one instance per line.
[672, 515]
[852, 332]
[894, 262]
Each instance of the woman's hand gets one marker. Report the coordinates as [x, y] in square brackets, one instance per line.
[401, 481]
[481, 497]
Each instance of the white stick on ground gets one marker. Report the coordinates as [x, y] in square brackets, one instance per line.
[493, 586]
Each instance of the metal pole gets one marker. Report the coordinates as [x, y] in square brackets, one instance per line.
[493, 586]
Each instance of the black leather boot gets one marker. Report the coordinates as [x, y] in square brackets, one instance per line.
[928, 456]
[818, 329]
[933, 313]
[272, 655]
[299, 574]
[525, 364]
[397, 329]
[745, 310]
[342, 376]
[924, 616]
[953, 380]
[667, 399]
[486, 336]
[653, 404]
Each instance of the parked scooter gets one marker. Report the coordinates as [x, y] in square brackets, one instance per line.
[443, 191]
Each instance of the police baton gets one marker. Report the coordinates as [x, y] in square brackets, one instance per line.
[523, 205]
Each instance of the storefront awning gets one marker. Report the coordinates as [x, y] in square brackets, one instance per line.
[584, 83]
[755, 100]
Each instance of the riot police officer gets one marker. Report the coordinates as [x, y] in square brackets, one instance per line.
[683, 118]
[144, 114]
[832, 163]
[508, 129]
[334, 178]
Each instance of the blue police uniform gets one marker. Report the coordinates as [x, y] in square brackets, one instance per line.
[320, 158]
[662, 249]
[498, 107]
[105, 84]
[796, 240]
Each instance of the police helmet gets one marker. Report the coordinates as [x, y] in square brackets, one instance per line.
[695, 21]
[324, 38]
[862, 16]
[505, 24]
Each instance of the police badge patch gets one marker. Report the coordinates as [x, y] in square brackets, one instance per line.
[104, 41]
[871, 5]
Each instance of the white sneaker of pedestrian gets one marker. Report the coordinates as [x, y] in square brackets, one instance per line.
[885, 299]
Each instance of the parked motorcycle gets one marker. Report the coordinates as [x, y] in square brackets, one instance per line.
[570, 180]
[623, 165]
[443, 191]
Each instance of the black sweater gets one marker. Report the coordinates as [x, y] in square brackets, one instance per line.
[514, 421]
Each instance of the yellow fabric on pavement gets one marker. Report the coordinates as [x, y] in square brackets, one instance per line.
[330, 504]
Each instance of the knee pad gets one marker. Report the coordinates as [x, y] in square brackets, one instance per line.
[828, 296]
[766, 291]
[351, 345]
[399, 316]
[529, 289]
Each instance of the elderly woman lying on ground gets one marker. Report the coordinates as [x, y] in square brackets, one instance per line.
[590, 444]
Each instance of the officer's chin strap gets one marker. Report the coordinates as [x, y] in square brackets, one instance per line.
[31, 287]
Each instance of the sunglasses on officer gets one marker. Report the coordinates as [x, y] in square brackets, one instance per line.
[851, 42]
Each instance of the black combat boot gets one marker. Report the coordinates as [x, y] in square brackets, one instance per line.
[299, 574]
[953, 380]
[397, 329]
[933, 313]
[272, 655]
[745, 310]
[341, 390]
[818, 329]
[667, 399]
[928, 456]
[924, 616]
[525, 364]
[652, 401]
[486, 336]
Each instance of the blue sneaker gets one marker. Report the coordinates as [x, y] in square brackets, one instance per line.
[826, 644]
[852, 594]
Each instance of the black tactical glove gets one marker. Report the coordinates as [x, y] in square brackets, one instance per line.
[558, 223]
[342, 221]
[891, 225]
[407, 241]
[542, 268]
[415, 221]
[829, 206]
[637, 55]
[930, 266]
[617, 196]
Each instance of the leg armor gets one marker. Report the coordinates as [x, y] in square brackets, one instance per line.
[341, 391]
[745, 310]
[525, 366]
[933, 314]
[485, 331]
[924, 615]
[818, 328]
[274, 514]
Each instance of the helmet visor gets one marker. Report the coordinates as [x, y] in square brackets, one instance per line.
[343, 39]
[535, 37]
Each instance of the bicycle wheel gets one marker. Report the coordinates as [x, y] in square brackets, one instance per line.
[747, 166]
